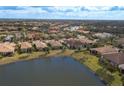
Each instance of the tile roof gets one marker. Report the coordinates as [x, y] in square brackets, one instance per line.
[106, 50]
[7, 47]
[117, 58]
[55, 43]
[39, 44]
[120, 41]
[25, 45]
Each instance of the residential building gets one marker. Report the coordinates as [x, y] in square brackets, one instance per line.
[25, 47]
[55, 44]
[104, 50]
[115, 58]
[7, 49]
[39, 45]
[78, 43]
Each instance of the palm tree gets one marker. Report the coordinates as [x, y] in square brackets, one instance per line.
[14, 39]
[18, 48]
[63, 48]
[23, 33]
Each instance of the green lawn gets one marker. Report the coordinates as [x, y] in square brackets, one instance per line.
[92, 62]
[26, 56]
[17, 57]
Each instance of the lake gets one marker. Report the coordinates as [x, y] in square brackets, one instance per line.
[48, 71]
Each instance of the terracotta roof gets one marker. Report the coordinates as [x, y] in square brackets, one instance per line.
[86, 41]
[25, 45]
[74, 41]
[11, 44]
[106, 50]
[120, 41]
[4, 47]
[83, 31]
[55, 43]
[117, 58]
[39, 44]
[32, 35]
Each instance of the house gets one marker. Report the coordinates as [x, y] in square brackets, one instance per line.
[116, 59]
[72, 28]
[35, 28]
[104, 50]
[33, 35]
[78, 43]
[2, 29]
[81, 30]
[73, 43]
[81, 36]
[18, 35]
[30, 36]
[86, 41]
[55, 44]
[12, 28]
[102, 35]
[62, 40]
[120, 42]
[10, 44]
[53, 30]
[39, 45]
[121, 67]
[25, 47]
[9, 38]
[7, 49]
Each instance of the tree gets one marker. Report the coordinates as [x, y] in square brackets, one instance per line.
[88, 47]
[111, 68]
[63, 48]
[122, 79]
[14, 39]
[45, 27]
[2, 38]
[18, 48]
[23, 33]
[47, 50]
[79, 49]
[34, 47]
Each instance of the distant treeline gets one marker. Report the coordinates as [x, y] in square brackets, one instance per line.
[115, 27]
[110, 26]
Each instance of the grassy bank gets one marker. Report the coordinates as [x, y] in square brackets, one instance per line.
[92, 62]
[18, 57]
[84, 57]
[27, 56]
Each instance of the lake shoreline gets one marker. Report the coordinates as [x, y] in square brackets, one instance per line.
[33, 55]
[68, 69]
[79, 56]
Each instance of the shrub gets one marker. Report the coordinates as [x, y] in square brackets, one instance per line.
[1, 56]
[23, 56]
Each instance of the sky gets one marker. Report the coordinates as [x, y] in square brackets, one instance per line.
[63, 12]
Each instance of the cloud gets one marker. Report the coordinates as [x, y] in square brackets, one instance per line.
[115, 8]
[59, 12]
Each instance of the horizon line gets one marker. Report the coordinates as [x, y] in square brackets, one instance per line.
[60, 19]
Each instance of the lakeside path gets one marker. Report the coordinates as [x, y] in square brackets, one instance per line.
[84, 57]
